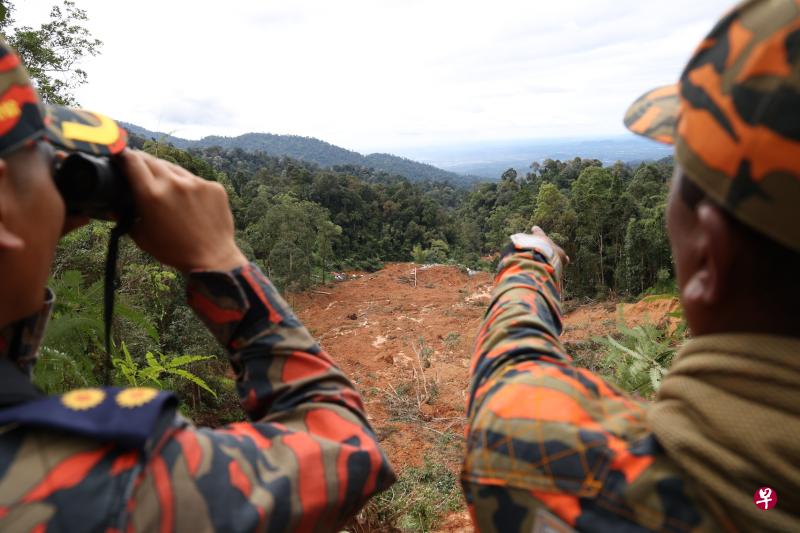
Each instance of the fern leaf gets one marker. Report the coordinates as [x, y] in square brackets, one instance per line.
[128, 358]
[184, 360]
[153, 363]
[185, 374]
[655, 377]
[625, 349]
[151, 374]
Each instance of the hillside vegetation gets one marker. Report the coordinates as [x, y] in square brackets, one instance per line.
[609, 219]
[300, 222]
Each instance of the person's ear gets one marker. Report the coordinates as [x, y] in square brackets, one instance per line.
[8, 239]
[714, 257]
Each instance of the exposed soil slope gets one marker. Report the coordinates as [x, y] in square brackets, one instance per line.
[407, 348]
[397, 341]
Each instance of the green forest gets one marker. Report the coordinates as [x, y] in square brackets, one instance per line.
[299, 221]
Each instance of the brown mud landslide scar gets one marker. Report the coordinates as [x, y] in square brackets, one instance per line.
[407, 348]
[601, 318]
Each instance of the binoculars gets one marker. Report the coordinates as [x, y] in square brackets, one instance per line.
[93, 186]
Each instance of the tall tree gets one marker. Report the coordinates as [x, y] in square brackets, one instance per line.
[53, 52]
[554, 213]
[593, 201]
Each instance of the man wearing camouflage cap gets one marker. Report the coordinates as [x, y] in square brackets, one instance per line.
[110, 459]
[554, 448]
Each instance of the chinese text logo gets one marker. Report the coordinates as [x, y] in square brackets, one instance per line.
[765, 498]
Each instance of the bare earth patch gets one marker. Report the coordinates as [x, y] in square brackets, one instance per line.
[408, 348]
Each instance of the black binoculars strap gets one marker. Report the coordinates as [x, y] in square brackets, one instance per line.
[122, 227]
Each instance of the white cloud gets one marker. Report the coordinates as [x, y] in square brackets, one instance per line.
[384, 74]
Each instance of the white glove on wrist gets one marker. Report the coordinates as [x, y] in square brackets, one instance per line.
[526, 241]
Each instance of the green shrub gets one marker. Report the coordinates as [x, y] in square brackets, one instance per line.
[638, 358]
[158, 366]
[56, 372]
[437, 253]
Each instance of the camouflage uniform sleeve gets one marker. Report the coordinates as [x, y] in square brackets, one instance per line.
[307, 461]
[542, 436]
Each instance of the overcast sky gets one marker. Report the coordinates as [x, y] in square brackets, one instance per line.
[384, 75]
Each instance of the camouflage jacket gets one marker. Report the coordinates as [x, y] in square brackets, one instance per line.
[123, 460]
[551, 447]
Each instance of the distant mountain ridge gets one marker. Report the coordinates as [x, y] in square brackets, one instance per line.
[490, 159]
[310, 150]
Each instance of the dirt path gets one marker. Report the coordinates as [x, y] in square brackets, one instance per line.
[407, 349]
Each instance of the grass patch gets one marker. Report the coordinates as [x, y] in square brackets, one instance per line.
[452, 340]
[424, 352]
[586, 354]
[404, 402]
[419, 501]
[384, 432]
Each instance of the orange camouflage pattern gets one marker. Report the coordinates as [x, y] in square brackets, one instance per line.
[655, 114]
[78, 130]
[736, 116]
[543, 435]
[307, 460]
[21, 112]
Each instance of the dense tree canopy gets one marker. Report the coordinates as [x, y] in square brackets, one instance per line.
[610, 220]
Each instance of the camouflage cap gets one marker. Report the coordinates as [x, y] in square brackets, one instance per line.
[734, 117]
[24, 118]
